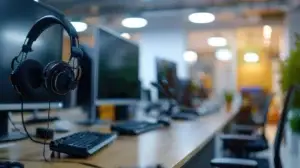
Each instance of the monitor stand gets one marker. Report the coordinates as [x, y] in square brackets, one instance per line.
[36, 119]
[5, 135]
[90, 110]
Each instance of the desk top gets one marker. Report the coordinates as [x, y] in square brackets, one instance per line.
[171, 147]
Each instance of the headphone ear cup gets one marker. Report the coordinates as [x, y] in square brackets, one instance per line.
[27, 77]
[59, 78]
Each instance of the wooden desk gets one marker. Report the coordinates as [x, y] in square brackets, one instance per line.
[171, 147]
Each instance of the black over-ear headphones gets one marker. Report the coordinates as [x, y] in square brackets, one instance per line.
[58, 77]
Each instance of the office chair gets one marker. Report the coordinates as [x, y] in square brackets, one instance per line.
[250, 129]
[244, 149]
[251, 163]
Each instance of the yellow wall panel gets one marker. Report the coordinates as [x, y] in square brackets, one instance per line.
[254, 74]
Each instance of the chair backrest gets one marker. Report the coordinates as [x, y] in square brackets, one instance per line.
[280, 126]
[266, 107]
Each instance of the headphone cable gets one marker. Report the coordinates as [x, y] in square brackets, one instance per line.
[48, 127]
[24, 125]
[45, 143]
[14, 125]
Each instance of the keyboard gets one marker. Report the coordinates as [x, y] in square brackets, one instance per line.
[184, 116]
[135, 127]
[82, 144]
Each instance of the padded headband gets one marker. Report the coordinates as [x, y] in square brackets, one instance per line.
[44, 23]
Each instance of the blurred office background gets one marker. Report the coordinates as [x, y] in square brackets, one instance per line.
[215, 46]
[210, 47]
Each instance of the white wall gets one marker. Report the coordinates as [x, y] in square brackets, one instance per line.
[161, 43]
[225, 75]
[291, 22]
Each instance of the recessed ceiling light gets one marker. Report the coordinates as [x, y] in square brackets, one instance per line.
[217, 41]
[190, 56]
[134, 22]
[36, 0]
[201, 17]
[126, 35]
[223, 55]
[79, 26]
[251, 57]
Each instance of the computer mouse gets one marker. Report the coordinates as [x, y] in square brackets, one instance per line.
[165, 121]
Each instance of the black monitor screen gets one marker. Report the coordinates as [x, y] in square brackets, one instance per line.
[118, 66]
[167, 70]
[15, 22]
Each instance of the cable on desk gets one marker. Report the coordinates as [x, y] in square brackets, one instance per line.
[14, 125]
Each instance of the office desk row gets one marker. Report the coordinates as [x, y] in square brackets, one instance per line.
[170, 147]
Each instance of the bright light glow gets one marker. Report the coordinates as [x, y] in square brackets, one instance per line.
[190, 56]
[36, 0]
[223, 55]
[79, 26]
[251, 57]
[134, 22]
[217, 41]
[126, 35]
[201, 17]
[267, 33]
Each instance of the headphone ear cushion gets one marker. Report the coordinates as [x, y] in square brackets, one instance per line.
[27, 77]
[59, 77]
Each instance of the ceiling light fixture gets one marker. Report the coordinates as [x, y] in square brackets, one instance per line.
[251, 57]
[134, 22]
[36, 0]
[79, 26]
[126, 35]
[190, 56]
[223, 55]
[217, 41]
[201, 17]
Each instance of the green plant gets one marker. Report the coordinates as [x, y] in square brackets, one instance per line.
[295, 123]
[290, 73]
[290, 76]
[228, 96]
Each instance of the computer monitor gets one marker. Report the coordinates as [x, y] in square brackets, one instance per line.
[15, 22]
[117, 70]
[185, 96]
[166, 70]
[86, 94]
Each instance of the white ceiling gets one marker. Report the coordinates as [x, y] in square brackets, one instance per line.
[197, 40]
[241, 37]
